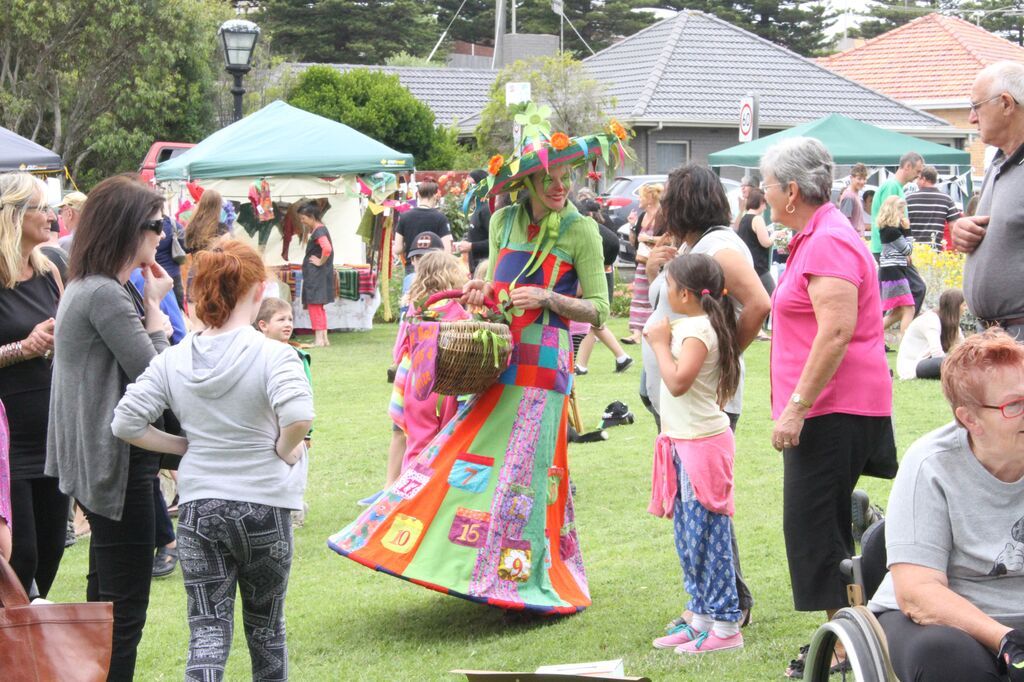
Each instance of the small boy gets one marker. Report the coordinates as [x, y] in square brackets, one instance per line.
[274, 320]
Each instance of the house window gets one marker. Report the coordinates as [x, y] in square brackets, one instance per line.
[669, 155]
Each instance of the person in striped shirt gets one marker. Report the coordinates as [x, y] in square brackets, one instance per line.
[929, 209]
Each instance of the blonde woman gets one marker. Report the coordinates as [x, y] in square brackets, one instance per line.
[646, 230]
[894, 264]
[29, 292]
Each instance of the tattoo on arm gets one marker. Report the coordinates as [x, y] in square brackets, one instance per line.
[576, 309]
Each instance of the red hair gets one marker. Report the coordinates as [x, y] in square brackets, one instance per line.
[224, 275]
[966, 370]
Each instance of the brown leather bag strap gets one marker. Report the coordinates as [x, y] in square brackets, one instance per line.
[11, 591]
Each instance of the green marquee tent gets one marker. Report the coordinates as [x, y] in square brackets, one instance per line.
[282, 140]
[850, 141]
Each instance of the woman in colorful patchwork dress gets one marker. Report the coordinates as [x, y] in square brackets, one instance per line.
[484, 512]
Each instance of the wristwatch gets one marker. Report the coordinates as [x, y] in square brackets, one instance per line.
[799, 400]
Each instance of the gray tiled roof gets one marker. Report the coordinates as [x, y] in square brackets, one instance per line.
[694, 67]
[452, 94]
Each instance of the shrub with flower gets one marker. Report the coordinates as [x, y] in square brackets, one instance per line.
[940, 270]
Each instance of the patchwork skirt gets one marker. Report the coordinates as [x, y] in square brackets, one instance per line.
[484, 512]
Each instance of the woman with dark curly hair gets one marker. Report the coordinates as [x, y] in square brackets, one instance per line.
[696, 214]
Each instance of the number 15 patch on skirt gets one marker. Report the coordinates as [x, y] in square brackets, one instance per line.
[471, 472]
[469, 527]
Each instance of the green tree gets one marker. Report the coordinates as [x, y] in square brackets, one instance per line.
[799, 25]
[348, 32]
[576, 100]
[882, 18]
[98, 83]
[1003, 17]
[376, 104]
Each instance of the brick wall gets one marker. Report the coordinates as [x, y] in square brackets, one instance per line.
[958, 118]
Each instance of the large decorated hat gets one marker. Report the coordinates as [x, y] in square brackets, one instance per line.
[542, 149]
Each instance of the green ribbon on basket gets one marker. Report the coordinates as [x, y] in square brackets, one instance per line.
[491, 342]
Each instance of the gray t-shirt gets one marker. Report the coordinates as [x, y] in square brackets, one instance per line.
[948, 513]
[994, 273]
[710, 244]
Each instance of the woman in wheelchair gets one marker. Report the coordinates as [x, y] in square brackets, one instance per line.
[952, 604]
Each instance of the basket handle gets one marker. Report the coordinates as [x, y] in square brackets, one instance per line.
[454, 294]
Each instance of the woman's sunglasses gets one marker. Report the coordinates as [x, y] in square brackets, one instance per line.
[155, 225]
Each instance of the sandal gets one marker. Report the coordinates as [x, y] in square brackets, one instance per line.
[795, 670]
[164, 562]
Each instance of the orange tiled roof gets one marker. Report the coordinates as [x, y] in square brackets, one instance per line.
[934, 57]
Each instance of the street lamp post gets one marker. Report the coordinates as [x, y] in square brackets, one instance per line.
[238, 37]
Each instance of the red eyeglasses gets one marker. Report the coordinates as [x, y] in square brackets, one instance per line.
[1010, 409]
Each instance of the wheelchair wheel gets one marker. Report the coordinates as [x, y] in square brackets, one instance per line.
[866, 651]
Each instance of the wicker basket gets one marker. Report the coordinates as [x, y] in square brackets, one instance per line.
[471, 354]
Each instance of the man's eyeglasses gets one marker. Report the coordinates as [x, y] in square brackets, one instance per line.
[975, 105]
[155, 225]
[1011, 409]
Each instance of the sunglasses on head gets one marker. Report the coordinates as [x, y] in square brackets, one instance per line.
[155, 225]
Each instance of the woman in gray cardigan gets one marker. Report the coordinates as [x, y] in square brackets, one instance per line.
[106, 334]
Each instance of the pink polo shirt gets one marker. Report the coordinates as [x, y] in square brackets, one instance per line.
[861, 385]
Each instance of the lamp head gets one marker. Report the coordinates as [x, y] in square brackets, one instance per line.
[238, 37]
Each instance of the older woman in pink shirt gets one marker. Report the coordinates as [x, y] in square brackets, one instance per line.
[831, 388]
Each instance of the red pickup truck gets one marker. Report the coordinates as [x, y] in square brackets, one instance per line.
[158, 153]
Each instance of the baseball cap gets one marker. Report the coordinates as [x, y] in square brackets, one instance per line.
[73, 199]
[424, 243]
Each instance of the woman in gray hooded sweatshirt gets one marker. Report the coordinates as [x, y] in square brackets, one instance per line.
[245, 404]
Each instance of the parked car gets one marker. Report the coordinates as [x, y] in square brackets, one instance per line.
[623, 196]
[158, 153]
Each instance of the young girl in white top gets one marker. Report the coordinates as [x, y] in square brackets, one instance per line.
[698, 356]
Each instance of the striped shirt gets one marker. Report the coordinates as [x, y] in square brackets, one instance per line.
[929, 209]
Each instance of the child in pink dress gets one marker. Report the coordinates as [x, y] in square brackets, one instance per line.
[422, 414]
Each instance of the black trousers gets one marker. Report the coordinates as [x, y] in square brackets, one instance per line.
[164, 527]
[917, 288]
[121, 562]
[927, 653]
[38, 530]
[818, 478]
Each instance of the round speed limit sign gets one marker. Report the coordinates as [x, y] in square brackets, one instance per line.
[746, 121]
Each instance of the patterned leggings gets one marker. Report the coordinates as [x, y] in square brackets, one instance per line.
[223, 544]
[704, 545]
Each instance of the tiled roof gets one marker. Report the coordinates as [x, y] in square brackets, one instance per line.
[694, 67]
[452, 94]
[932, 58]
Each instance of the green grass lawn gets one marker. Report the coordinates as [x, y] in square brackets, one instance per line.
[347, 622]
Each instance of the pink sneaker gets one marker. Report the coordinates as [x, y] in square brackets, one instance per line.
[707, 642]
[680, 634]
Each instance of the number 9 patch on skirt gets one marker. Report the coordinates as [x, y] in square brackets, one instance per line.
[515, 561]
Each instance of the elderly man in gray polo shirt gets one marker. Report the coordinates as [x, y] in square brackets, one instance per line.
[994, 238]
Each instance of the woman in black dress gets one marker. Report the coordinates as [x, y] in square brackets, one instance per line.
[754, 233]
[317, 270]
[29, 292]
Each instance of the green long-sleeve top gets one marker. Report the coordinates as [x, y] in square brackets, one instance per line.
[579, 243]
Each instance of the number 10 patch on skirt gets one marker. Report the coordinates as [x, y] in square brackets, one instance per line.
[471, 472]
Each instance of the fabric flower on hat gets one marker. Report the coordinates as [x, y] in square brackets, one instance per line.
[535, 121]
[617, 129]
[559, 141]
[495, 164]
